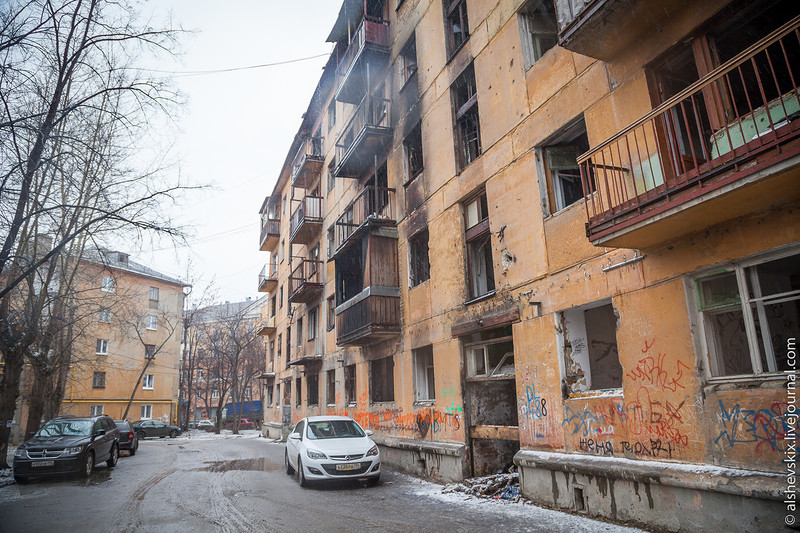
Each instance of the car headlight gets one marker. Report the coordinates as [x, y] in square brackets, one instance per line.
[20, 452]
[313, 454]
[373, 451]
[75, 450]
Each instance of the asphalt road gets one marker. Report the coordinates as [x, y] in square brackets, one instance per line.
[238, 484]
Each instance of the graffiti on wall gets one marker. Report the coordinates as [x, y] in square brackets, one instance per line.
[421, 424]
[765, 427]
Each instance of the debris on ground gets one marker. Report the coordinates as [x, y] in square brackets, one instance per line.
[502, 486]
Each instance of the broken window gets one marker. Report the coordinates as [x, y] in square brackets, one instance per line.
[409, 59]
[299, 395]
[330, 389]
[300, 334]
[412, 146]
[350, 385]
[420, 267]
[424, 383]
[490, 354]
[381, 380]
[313, 324]
[588, 339]
[99, 380]
[312, 383]
[456, 26]
[480, 268]
[466, 124]
[331, 313]
[563, 176]
[538, 29]
[746, 332]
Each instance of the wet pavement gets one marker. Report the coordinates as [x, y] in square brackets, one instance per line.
[239, 484]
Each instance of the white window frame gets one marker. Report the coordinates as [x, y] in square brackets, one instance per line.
[147, 412]
[104, 315]
[153, 295]
[101, 347]
[95, 410]
[531, 33]
[478, 351]
[109, 284]
[151, 322]
[147, 382]
[214, 394]
[699, 327]
[422, 390]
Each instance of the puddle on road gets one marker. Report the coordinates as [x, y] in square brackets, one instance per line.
[261, 464]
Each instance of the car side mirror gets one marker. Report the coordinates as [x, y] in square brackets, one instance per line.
[99, 433]
[368, 432]
[295, 436]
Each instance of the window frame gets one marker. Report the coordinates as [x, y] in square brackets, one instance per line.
[451, 8]
[101, 347]
[419, 268]
[408, 60]
[108, 284]
[146, 411]
[104, 315]
[330, 388]
[531, 37]
[96, 410]
[377, 369]
[350, 385]
[313, 323]
[312, 390]
[151, 322]
[463, 116]
[153, 294]
[473, 235]
[148, 382]
[331, 313]
[150, 351]
[99, 380]
[424, 389]
[410, 149]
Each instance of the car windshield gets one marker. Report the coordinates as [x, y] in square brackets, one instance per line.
[333, 429]
[64, 428]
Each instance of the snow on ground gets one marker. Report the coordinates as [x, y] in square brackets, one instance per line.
[6, 477]
[521, 508]
[199, 434]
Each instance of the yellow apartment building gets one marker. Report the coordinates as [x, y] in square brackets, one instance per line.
[559, 235]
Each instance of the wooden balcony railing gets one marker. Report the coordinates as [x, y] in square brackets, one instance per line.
[733, 122]
[307, 213]
[305, 282]
[373, 204]
[367, 318]
[366, 133]
[307, 161]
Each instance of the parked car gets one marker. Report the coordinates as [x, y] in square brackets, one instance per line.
[244, 423]
[205, 425]
[331, 447]
[155, 428]
[127, 437]
[68, 445]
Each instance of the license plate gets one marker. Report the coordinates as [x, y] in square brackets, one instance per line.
[348, 466]
[43, 463]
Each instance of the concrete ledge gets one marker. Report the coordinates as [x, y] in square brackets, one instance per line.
[439, 461]
[751, 483]
[423, 446]
[272, 430]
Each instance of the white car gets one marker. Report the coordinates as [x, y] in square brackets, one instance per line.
[332, 447]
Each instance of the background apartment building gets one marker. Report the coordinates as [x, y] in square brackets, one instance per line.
[562, 236]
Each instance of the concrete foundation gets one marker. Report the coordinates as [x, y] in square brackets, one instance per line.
[666, 496]
[438, 461]
[271, 430]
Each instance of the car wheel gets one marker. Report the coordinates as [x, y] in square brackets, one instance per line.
[132, 451]
[173, 434]
[303, 481]
[140, 435]
[21, 479]
[289, 467]
[373, 481]
[112, 461]
[88, 465]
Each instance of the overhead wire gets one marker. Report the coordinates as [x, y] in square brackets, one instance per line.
[188, 73]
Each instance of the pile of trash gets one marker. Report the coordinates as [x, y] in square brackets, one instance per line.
[500, 486]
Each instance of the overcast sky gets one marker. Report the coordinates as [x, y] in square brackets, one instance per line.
[237, 126]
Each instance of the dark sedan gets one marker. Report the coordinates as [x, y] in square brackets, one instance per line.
[155, 428]
[66, 445]
[127, 437]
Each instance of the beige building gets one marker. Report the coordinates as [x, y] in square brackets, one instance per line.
[556, 235]
[130, 345]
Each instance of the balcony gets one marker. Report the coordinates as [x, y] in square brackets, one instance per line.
[366, 135]
[307, 164]
[305, 283]
[267, 328]
[270, 223]
[268, 278]
[374, 206]
[366, 56]
[306, 223]
[371, 316]
[725, 146]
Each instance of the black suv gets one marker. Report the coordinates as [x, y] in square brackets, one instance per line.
[68, 444]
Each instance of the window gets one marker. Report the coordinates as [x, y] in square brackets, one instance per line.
[147, 382]
[420, 268]
[466, 124]
[331, 175]
[312, 383]
[270, 396]
[456, 28]
[280, 297]
[278, 397]
[153, 294]
[330, 389]
[412, 147]
[331, 244]
[101, 347]
[149, 351]
[350, 385]
[109, 284]
[331, 313]
[300, 332]
[284, 205]
[151, 322]
[288, 344]
[214, 394]
[588, 341]
[248, 392]
[104, 315]
[99, 380]
[313, 323]
[199, 373]
[381, 380]
[538, 30]
[272, 351]
[282, 250]
[147, 412]
[272, 306]
[280, 344]
[560, 155]
[332, 115]
[490, 354]
[747, 313]
[408, 62]
[95, 410]
[480, 268]
[424, 384]
[299, 388]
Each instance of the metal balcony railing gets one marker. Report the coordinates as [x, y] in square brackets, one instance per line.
[741, 111]
[269, 228]
[309, 211]
[310, 151]
[268, 276]
[371, 31]
[371, 204]
[305, 280]
[372, 117]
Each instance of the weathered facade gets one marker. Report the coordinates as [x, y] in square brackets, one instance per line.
[563, 236]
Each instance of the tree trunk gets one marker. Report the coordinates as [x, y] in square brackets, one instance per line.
[9, 392]
[135, 388]
[42, 382]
